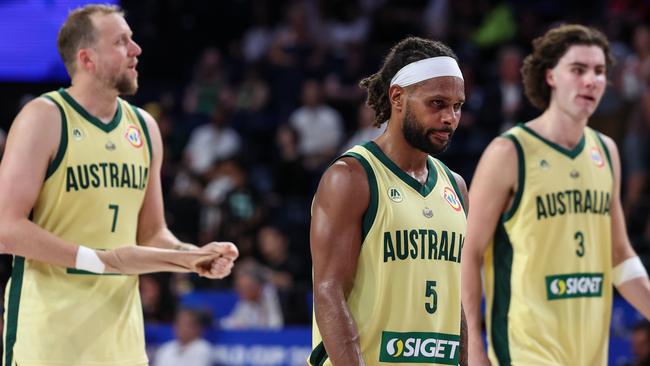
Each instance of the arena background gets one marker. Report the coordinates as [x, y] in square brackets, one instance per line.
[231, 83]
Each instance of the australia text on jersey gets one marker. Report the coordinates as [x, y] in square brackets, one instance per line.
[572, 202]
[426, 244]
[106, 175]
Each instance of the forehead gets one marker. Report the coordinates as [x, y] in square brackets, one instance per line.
[588, 55]
[110, 24]
[445, 86]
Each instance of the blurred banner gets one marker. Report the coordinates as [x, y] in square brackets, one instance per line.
[287, 347]
[28, 31]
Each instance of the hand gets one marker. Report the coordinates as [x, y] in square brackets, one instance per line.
[218, 261]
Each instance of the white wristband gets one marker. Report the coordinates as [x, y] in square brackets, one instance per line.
[88, 260]
[629, 269]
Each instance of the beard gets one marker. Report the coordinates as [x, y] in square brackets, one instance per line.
[416, 135]
[124, 85]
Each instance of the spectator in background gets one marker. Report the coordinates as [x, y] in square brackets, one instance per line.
[158, 302]
[636, 144]
[293, 53]
[189, 348]
[641, 344]
[319, 126]
[504, 104]
[212, 142]
[366, 128]
[284, 268]
[258, 306]
[287, 272]
[202, 94]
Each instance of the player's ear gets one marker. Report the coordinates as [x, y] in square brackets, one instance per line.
[86, 59]
[396, 95]
[550, 78]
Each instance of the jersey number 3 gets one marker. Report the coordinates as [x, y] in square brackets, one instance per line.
[580, 239]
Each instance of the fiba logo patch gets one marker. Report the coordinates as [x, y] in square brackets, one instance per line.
[395, 195]
[597, 157]
[450, 196]
[133, 136]
[77, 134]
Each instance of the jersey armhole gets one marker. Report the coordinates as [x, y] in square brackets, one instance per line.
[371, 212]
[63, 142]
[454, 184]
[521, 177]
[604, 147]
[145, 130]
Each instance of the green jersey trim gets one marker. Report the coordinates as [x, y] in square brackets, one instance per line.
[106, 127]
[371, 212]
[454, 184]
[573, 153]
[604, 146]
[502, 264]
[422, 189]
[63, 141]
[521, 178]
[318, 355]
[12, 308]
[145, 130]
[74, 271]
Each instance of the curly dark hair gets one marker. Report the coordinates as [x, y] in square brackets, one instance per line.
[547, 51]
[408, 50]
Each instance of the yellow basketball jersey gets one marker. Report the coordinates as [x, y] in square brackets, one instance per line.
[406, 295]
[91, 196]
[547, 271]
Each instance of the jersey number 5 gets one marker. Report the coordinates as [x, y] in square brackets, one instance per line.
[116, 211]
[430, 292]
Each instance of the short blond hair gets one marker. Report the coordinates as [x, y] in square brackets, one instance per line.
[78, 32]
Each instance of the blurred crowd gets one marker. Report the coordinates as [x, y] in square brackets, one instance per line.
[255, 98]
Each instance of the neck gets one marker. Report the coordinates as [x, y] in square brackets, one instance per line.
[409, 159]
[99, 101]
[185, 342]
[559, 127]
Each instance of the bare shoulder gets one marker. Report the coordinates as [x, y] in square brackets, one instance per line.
[40, 114]
[500, 154]
[344, 184]
[498, 167]
[40, 110]
[345, 175]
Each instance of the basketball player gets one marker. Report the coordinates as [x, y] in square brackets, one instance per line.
[79, 188]
[388, 223]
[546, 219]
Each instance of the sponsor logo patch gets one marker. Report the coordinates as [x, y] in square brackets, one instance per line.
[419, 347]
[395, 195]
[569, 286]
[77, 134]
[134, 136]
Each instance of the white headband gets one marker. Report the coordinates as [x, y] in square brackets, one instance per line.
[428, 68]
